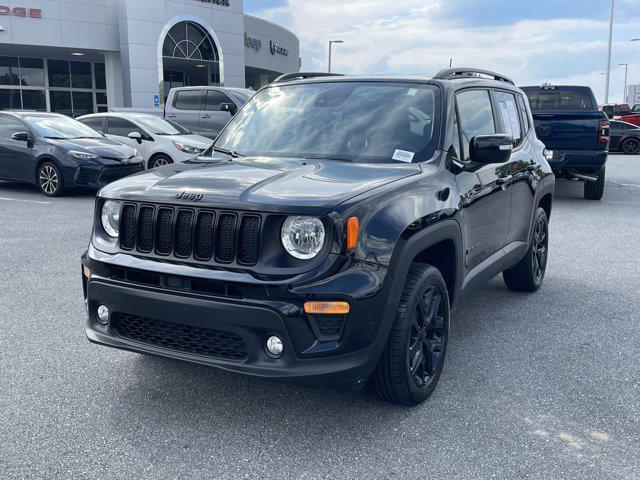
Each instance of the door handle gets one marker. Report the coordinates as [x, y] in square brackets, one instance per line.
[206, 115]
[504, 180]
[171, 115]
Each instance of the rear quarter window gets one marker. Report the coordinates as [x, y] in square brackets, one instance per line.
[562, 98]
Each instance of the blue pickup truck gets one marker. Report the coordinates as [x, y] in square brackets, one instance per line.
[574, 131]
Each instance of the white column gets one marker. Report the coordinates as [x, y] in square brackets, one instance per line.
[113, 71]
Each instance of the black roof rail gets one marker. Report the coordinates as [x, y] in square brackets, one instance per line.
[303, 76]
[454, 73]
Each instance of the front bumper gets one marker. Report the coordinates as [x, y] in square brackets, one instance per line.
[247, 312]
[97, 176]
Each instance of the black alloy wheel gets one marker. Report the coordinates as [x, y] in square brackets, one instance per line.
[631, 146]
[414, 356]
[528, 274]
[428, 337]
[539, 246]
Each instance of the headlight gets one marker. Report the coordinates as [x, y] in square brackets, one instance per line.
[82, 155]
[183, 147]
[111, 218]
[303, 237]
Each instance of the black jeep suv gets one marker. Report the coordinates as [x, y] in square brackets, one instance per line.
[329, 231]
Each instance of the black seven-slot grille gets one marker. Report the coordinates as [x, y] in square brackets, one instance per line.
[189, 233]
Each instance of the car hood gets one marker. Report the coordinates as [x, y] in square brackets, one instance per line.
[193, 140]
[257, 183]
[103, 147]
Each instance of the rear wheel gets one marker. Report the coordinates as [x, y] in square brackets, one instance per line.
[50, 179]
[631, 146]
[595, 190]
[528, 274]
[159, 160]
[412, 361]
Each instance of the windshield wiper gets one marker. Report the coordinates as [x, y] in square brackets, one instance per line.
[316, 156]
[232, 154]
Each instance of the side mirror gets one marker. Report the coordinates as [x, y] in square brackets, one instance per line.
[232, 108]
[608, 110]
[20, 136]
[490, 149]
[135, 136]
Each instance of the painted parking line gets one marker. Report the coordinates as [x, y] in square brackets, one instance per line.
[6, 199]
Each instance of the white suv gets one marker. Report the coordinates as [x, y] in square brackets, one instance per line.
[159, 141]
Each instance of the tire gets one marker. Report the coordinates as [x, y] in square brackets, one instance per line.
[50, 179]
[159, 160]
[595, 190]
[404, 374]
[630, 146]
[528, 274]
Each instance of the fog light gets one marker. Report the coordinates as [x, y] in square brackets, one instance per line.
[275, 347]
[103, 314]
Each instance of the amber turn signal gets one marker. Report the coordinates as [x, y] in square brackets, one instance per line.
[353, 226]
[326, 308]
[86, 271]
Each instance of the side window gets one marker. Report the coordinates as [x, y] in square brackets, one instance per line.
[509, 117]
[524, 113]
[97, 123]
[188, 100]
[216, 98]
[9, 126]
[476, 116]
[121, 127]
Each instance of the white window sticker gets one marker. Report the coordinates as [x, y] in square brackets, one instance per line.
[403, 156]
[412, 92]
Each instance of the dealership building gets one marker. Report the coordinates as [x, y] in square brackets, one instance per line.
[82, 56]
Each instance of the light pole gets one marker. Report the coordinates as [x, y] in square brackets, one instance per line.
[626, 70]
[331, 42]
[606, 88]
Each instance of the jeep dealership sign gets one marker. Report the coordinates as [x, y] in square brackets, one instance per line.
[21, 11]
[224, 3]
[278, 50]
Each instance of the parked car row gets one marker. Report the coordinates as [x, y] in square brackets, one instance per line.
[159, 141]
[56, 152]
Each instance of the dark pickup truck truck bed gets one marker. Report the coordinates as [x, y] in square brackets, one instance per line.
[575, 133]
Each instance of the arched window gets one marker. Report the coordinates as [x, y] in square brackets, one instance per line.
[190, 57]
[191, 41]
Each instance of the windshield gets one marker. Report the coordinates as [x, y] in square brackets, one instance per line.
[357, 121]
[60, 127]
[160, 126]
[562, 98]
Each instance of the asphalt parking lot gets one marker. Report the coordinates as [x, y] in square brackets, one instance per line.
[535, 386]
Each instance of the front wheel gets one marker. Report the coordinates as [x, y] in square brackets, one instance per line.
[50, 179]
[159, 160]
[412, 361]
[595, 190]
[631, 146]
[528, 274]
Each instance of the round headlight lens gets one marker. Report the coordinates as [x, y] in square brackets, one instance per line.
[111, 218]
[303, 237]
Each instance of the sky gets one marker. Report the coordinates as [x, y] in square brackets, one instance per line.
[534, 41]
